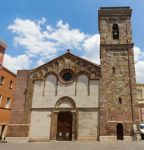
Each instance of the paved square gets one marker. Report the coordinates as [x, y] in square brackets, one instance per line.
[120, 145]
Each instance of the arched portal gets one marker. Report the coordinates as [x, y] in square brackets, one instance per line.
[65, 102]
[64, 120]
[120, 131]
[64, 126]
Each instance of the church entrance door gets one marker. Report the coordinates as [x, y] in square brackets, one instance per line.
[64, 126]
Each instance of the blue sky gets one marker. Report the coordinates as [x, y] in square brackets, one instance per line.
[36, 31]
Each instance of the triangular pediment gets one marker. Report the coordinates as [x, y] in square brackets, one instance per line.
[68, 61]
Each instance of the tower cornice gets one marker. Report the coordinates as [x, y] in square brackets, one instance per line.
[117, 46]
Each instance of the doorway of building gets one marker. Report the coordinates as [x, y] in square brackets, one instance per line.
[120, 131]
[64, 126]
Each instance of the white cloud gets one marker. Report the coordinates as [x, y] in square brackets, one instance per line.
[140, 71]
[39, 38]
[16, 63]
[138, 54]
[91, 47]
[70, 38]
[29, 35]
[139, 64]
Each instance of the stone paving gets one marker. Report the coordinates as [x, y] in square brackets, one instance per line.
[119, 145]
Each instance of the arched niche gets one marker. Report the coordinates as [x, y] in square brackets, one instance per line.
[38, 88]
[82, 87]
[50, 84]
[93, 75]
[65, 102]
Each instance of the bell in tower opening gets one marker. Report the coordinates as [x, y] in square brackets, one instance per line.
[115, 31]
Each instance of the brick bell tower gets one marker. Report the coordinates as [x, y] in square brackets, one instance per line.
[118, 112]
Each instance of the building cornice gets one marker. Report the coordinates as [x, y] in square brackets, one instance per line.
[3, 44]
[7, 70]
[117, 46]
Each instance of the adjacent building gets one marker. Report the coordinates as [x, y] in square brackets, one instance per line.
[70, 98]
[7, 89]
[140, 99]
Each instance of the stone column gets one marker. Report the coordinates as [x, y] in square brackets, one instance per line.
[54, 125]
[73, 125]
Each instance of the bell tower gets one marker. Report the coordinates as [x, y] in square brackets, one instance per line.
[118, 112]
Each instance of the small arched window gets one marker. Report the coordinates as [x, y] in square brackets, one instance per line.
[113, 70]
[120, 100]
[7, 102]
[115, 31]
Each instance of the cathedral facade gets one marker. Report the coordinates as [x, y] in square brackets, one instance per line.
[70, 98]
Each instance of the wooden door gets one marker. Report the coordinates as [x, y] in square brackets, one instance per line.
[64, 126]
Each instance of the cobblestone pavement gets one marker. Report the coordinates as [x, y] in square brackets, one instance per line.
[120, 145]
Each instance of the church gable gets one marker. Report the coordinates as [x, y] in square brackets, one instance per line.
[69, 63]
[67, 75]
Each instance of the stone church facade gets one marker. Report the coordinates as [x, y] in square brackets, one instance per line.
[70, 98]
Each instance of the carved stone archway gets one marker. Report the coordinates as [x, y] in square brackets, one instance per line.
[64, 104]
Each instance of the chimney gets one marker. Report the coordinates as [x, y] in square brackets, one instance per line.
[2, 51]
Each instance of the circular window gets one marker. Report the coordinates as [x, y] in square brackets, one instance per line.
[67, 75]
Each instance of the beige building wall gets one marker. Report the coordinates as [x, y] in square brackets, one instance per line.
[84, 93]
[46, 97]
[88, 125]
[40, 125]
